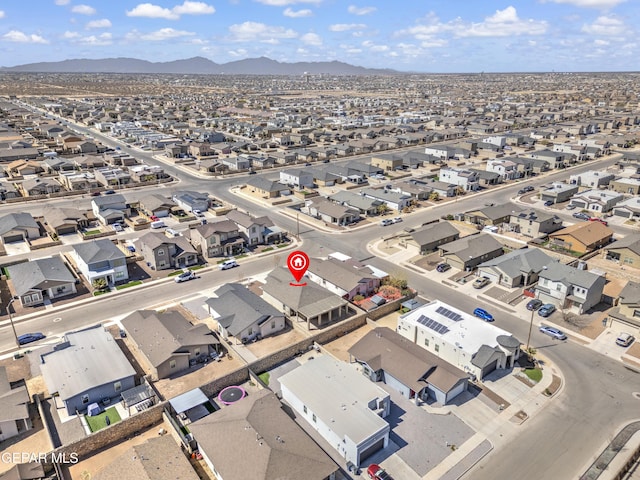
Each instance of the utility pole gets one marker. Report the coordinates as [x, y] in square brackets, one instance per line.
[298, 226]
[530, 329]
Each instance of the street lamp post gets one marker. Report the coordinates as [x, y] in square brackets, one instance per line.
[530, 329]
[13, 327]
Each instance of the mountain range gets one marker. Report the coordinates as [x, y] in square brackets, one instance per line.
[197, 65]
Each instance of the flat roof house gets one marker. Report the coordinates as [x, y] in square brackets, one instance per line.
[77, 373]
[597, 200]
[387, 356]
[345, 408]
[558, 192]
[255, 439]
[629, 208]
[472, 345]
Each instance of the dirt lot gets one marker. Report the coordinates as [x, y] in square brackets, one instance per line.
[274, 343]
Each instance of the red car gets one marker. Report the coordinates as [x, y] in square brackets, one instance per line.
[153, 218]
[376, 472]
[596, 219]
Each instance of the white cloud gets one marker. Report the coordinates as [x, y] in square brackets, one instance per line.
[20, 37]
[360, 10]
[102, 23]
[62, 2]
[240, 52]
[504, 23]
[96, 40]
[284, 3]
[602, 4]
[149, 10]
[311, 39]
[345, 27]
[601, 43]
[255, 31]
[1, 14]
[605, 26]
[165, 34]
[83, 10]
[70, 35]
[374, 47]
[288, 12]
[193, 8]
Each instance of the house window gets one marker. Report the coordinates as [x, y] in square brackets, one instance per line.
[120, 275]
[196, 352]
[172, 364]
[273, 324]
[627, 260]
[304, 408]
[117, 386]
[558, 287]
[426, 342]
[160, 253]
[250, 331]
[85, 399]
[313, 418]
[436, 347]
[636, 313]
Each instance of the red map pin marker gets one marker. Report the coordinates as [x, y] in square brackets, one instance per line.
[298, 263]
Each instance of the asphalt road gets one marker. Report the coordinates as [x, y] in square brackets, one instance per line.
[558, 443]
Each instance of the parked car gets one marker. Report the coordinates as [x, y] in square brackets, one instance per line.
[522, 191]
[95, 194]
[581, 216]
[483, 314]
[596, 219]
[185, 276]
[109, 192]
[227, 264]
[529, 188]
[30, 337]
[547, 309]
[396, 219]
[534, 304]
[117, 227]
[376, 472]
[571, 206]
[252, 172]
[198, 213]
[153, 218]
[443, 267]
[548, 203]
[553, 332]
[123, 334]
[624, 339]
[481, 282]
[131, 248]
[385, 222]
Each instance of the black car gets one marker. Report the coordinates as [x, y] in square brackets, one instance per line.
[534, 304]
[548, 203]
[30, 337]
[109, 192]
[522, 191]
[581, 216]
[443, 267]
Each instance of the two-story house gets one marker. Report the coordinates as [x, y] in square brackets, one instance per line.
[255, 230]
[627, 314]
[507, 169]
[163, 252]
[218, 239]
[467, 180]
[570, 288]
[297, 177]
[100, 259]
[534, 223]
[110, 208]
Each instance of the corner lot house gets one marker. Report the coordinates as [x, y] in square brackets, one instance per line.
[14, 408]
[255, 439]
[558, 192]
[430, 237]
[468, 252]
[568, 287]
[472, 345]
[413, 371]
[77, 374]
[40, 279]
[345, 408]
[100, 259]
[168, 341]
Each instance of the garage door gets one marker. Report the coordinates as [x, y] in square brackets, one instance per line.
[621, 213]
[457, 390]
[489, 368]
[367, 452]
[66, 230]
[12, 238]
[490, 275]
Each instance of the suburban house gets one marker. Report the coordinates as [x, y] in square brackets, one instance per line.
[14, 408]
[329, 212]
[629, 208]
[78, 181]
[534, 223]
[100, 259]
[76, 373]
[627, 313]
[393, 200]
[491, 215]
[558, 192]
[255, 230]
[39, 186]
[257, 428]
[41, 279]
[593, 178]
[568, 287]
[264, 188]
[443, 189]
[297, 177]
[507, 169]
[387, 161]
[110, 208]
[8, 190]
[190, 201]
[345, 279]
[112, 177]
[629, 186]
[312, 304]
[625, 252]
[597, 200]
[468, 252]
[242, 314]
[168, 342]
[365, 205]
[217, 239]
[18, 227]
[63, 221]
[156, 204]
[429, 237]
[466, 342]
[465, 179]
[388, 357]
[144, 461]
[163, 252]
[582, 237]
[346, 409]
[414, 188]
[519, 268]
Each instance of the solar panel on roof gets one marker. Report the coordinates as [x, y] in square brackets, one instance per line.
[456, 317]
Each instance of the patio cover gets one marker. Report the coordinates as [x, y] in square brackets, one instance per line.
[188, 400]
[136, 395]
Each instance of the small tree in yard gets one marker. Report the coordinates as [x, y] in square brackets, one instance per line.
[434, 196]
[99, 284]
[382, 209]
[398, 282]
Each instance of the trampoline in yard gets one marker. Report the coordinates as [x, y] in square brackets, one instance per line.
[230, 395]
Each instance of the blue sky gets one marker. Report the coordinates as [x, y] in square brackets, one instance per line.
[407, 35]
